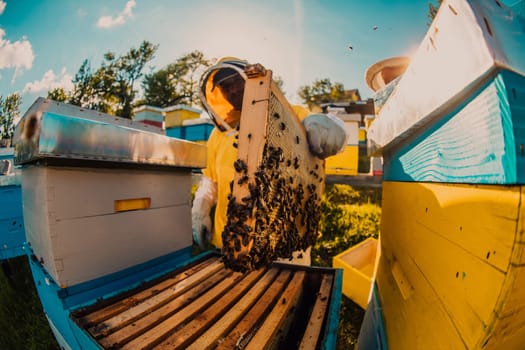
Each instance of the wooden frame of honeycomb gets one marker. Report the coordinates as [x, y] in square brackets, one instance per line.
[274, 208]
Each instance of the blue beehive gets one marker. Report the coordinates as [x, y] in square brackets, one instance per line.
[12, 236]
[197, 130]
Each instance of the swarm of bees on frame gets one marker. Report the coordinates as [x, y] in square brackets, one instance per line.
[280, 214]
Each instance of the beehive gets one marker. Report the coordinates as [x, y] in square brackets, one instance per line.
[101, 193]
[205, 305]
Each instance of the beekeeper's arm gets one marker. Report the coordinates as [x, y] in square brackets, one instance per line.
[326, 134]
[205, 199]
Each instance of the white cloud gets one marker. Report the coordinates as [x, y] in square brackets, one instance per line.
[50, 81]
[18, 54]
[2, 6]
[109, 21]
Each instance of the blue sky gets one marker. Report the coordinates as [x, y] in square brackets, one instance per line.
[43, 43]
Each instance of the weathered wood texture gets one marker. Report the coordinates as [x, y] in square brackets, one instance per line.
[468, 44]
[275, 205]
[451, 270]
[481, 141]
[207, 306]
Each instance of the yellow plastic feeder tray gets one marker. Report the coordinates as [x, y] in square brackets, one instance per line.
[358, 268]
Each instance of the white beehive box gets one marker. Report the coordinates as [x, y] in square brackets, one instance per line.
[76, 231]
[101, 194]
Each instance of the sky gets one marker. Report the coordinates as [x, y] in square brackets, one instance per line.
[43, 43]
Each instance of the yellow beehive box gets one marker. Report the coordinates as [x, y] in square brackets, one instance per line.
[362, 135]
[344, 163]
[175, 115]
[358, 265]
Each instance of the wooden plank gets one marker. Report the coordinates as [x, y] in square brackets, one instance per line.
[277, 321]
[243, 329]
[508, 329]
[157, 334]
[472, 145]
[211, 337]
[156, 299]
[111, 310]
[506, 333]
[437, 249]
[420, 322]
[275, 204]
[192, 329]
[315, 323]
[120, 335]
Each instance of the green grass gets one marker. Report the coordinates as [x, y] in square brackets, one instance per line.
[348, 217]
[22, 322]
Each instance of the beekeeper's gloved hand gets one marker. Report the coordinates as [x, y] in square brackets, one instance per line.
[326, 134]
[205, 199]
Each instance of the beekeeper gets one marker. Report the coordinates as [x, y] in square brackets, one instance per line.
[221, 93]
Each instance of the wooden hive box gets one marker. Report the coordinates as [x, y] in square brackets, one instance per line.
[451, 270]
[204, 305]
[358, 263]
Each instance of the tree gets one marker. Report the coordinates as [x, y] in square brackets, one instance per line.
[115, 80]
[194, 64]
[58, 94]
[83, 93]
[110, 88]
[279, 82]
[322, 91]
[432, 11]
[9, 112]
[176, 83]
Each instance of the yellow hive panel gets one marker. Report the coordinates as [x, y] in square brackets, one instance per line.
[456, 239]
[358, 269]
[176, 117]
[344, 163]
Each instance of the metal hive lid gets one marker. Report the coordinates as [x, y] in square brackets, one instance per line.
[51, 129]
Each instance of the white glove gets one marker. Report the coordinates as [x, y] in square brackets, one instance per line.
[326, 134]
[205, 199]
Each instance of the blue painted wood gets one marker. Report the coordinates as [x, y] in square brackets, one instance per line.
[199, 132]
[59, 303]
[174, 132]
[332, 326]
[372, 334]
[12, 232]
[481, 141]
[58, 316]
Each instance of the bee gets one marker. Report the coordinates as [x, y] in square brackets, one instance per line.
[240, 166]
[243, 180]
[296, 162]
